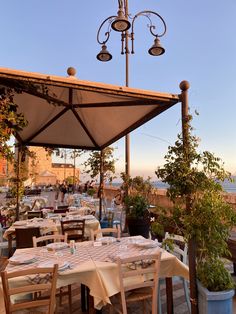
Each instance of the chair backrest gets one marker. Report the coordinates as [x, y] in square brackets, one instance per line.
[61, 210]
[132, 277]
[3, 262]
[3, 221]
[105, 231]
[34, 214]
[73, 228]
[52, 237]
[24, 237]
[38, 204]
[47, 278]
[180, 246]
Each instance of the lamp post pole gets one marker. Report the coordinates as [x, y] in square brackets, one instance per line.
[127, 137]
[120, 23]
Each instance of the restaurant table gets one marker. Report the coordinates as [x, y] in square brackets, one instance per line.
[82, 200]
[47, 226]
[29, 200]
[95, 267]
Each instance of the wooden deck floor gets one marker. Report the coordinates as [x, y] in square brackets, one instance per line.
[179, 303]
[180, 306]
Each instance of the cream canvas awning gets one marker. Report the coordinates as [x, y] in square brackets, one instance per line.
[72, 113]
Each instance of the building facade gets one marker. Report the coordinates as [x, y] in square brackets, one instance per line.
[63, 171]
[3, 171]
[43, 171]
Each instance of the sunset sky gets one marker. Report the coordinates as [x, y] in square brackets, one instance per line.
[49, 36]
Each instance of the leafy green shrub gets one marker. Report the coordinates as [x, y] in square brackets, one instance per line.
[200, 212]
[136, 206]
[91, 192]
[214, 276]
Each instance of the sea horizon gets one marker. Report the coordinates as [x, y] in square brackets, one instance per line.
[229, 187]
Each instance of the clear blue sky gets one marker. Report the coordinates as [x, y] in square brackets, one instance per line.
[50, 36]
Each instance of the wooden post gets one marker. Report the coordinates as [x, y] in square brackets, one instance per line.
[101, 186]
[74, 154]
[184, 86]
[18, 156]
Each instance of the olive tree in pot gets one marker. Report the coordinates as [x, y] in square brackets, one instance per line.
[136, 204]
[196, 178]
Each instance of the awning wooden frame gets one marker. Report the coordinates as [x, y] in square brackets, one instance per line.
[70, 113]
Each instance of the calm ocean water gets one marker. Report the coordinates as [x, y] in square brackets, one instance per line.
[229, 187]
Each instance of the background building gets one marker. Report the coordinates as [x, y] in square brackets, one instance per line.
[3, 171]
[42, 171]
[63, 171]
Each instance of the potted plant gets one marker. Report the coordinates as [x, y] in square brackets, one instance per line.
[202, 216]
[91, 192]
[137, 215]
[136, 204]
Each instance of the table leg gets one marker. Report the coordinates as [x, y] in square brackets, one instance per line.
[234, 265]
[84, 298]
[92, 310]
[169, 296]
[10, 250]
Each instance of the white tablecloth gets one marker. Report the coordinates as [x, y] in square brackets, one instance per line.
[94, 267]
[48, 225]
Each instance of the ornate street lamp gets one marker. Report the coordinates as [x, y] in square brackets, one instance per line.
[122, 22]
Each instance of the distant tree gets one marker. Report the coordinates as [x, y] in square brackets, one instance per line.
[72, 154]
[64, 153]
[93, 164]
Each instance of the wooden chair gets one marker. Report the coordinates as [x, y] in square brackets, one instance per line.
[24, 237]
[3, 220]
[52, 238]
[63, 209]
[56, 238]
[34, 214]
[3, 262]
[105, 231]
[74, 229]
[60, 211]
[180, 250]
[132, 271]
[28, 287]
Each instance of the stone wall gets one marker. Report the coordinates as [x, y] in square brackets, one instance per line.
[158, 197]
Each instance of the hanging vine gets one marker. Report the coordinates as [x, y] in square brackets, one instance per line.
[11, 121]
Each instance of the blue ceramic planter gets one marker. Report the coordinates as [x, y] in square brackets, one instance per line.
[214, 302]
[104, 223]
